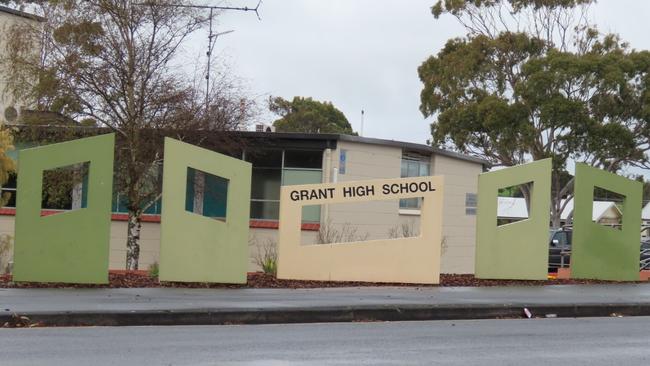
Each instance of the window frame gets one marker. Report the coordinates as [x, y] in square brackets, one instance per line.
[421, 160]
[283, 168]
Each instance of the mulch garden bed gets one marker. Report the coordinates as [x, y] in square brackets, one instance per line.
[261, 280]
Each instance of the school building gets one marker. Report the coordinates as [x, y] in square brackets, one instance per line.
[297, 158]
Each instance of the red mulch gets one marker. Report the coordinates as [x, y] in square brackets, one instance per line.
[261, 280]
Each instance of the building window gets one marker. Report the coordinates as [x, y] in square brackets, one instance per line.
[471, 203]
[120, 201]
[414, 166]
[206, 194]
[265, 184]
[271, 170]
[275, 168]
[152, 208]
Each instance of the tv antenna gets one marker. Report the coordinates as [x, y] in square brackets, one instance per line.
[362, 115]
[212, 36]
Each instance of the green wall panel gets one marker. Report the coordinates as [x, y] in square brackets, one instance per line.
[601, 252]
[518, 250]
[195, 248]
[73, 246]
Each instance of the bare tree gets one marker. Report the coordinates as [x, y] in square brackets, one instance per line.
[114, 64]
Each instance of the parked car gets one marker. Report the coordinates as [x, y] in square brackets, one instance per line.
[559, 251]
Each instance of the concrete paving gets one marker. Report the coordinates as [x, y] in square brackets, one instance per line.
[275, 301]
[593, 342]
[36, 300]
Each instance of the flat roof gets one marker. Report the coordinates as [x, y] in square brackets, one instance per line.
[426, 149]
[22, 14]
[307, 140]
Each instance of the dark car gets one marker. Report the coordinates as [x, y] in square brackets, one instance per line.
[559, 251]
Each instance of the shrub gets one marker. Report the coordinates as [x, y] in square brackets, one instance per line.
[405, 230]
[343, 233]
[153, 270]
[266, 255]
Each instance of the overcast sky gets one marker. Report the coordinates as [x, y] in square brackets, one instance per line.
[361, 54]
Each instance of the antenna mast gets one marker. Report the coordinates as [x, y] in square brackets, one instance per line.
[212, 37]
[361, 131]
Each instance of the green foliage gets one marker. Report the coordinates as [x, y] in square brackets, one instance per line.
[309, 116]
[500, 97]
[526, 89]
[265, 254]
[60, 183]
[270, 266]
[456, 7]
[7, 165]
[153, 270]
[513, 191]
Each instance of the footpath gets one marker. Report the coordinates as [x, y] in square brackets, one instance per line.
[175, 306]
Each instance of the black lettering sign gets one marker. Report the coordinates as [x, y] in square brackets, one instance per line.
[295, 196]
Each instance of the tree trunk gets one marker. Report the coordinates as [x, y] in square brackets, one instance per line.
[133, 240]
[556, 218]
[199, 189]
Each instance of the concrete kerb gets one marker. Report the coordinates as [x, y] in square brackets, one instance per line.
[323, 314]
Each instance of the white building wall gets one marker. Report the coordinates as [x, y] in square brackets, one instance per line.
[150, 242]
[459, 228]
[366, 162]
[7, 21]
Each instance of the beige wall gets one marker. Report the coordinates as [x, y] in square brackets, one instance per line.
[150, 242]
[364, 162]
[459, 229]
[409, 260]
[6, 22]
[6, 233]
[261, 238]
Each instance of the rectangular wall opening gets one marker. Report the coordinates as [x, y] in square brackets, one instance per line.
[608, 208]
[65, 188]
[206, 194]
[512, 205]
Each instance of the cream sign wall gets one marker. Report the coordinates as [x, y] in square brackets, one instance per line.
[412, 260]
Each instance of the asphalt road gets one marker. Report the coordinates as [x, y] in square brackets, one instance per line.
[587, 341]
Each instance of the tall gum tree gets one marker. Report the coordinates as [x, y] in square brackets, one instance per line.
[533, 80]
[307, 115]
